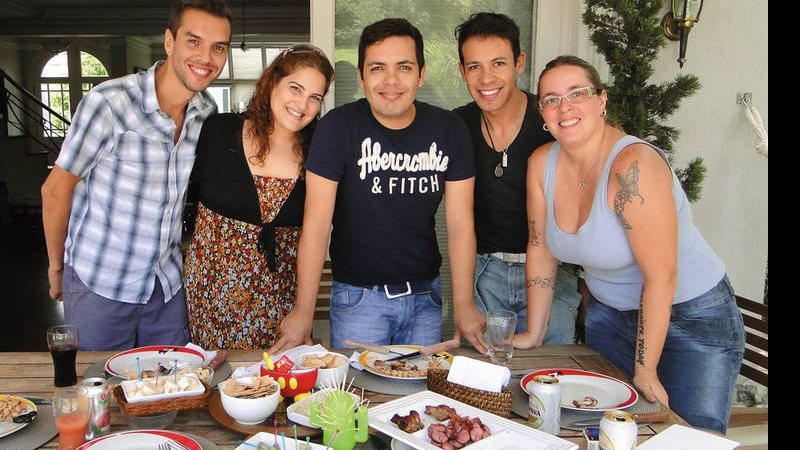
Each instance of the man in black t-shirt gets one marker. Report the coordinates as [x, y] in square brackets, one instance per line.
[506, 127]
[377, 170]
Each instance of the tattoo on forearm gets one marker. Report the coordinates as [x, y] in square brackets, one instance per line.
[640, 345]
[533, 236]
[629, 188]
[545, 282]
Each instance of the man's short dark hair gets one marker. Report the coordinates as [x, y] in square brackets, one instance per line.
[214, 7]
[488, 24]
[382, 29]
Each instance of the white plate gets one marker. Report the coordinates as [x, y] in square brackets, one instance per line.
[139, 439]
[124, 363]
[7, 428]
[298, 412]
[368, 358]
[269, 439]
[399, 445]
[506, 434]
[127, 385]
[576, 384]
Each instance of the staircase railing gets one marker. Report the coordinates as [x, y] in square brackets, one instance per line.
[28, 115]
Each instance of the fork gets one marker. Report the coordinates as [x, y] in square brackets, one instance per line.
[171, 445]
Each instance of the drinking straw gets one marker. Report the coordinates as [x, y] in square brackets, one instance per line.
[330, 443]
[283, 439]
[275, 431]
[294, 431]
[139, 368]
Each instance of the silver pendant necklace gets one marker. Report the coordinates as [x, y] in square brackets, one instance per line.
[498, 169]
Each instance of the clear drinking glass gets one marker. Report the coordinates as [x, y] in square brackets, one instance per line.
[71, 408]
[501, 324]
[62, 340]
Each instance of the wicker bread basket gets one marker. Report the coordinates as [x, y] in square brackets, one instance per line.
[161, 406]
[495, 403]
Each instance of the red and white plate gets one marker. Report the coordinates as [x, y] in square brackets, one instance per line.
[139, 439]
[124, 363]
[576, 384]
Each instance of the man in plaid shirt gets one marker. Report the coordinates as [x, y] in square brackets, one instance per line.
[112, 206]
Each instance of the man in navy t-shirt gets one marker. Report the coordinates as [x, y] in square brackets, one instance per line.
[377, 170]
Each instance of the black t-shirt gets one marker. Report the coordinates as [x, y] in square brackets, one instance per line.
[390, 185]
[500, 203]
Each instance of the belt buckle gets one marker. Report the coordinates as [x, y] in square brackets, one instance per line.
[388, 295]
[511, 257]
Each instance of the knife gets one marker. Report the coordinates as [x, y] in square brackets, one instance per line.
[641, 420]
[40, 401]
[429, 350]
[373, 348]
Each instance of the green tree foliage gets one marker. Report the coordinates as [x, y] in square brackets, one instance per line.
[91, 66]
[628, 34]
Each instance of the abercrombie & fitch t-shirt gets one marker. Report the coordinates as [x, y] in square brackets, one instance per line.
[391, 183]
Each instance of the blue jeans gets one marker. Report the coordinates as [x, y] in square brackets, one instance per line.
[701, 357]
[366, 314]
[501, 285]
[105, 324]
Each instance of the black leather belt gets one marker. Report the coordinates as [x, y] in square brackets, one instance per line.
[407, 288]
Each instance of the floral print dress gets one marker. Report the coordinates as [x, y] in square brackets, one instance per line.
[233, 300]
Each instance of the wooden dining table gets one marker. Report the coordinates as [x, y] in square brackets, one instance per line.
[31, 374]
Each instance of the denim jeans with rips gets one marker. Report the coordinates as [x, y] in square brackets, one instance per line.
[366, 314]
[702, 353]
[501, 285]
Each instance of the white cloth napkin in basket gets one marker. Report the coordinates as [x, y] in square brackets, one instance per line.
[478, 374]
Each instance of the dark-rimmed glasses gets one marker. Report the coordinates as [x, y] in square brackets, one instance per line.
[575, 97]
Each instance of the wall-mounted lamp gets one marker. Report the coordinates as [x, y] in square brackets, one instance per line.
[678, 22]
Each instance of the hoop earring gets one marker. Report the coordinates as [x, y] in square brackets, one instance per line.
[544, 127]
[604, 113]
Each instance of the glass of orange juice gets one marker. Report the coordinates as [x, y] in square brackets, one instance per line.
[71, 407]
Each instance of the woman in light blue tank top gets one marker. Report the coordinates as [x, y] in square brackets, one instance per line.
[661, 307]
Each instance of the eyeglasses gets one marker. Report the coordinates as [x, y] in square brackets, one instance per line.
[575, 97]
[301, 48]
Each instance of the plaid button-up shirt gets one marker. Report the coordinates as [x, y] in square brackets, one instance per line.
[127, 209]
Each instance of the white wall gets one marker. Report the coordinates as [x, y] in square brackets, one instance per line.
[727, 50]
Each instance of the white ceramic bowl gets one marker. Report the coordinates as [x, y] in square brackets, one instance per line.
[328, 377]
[249, 411]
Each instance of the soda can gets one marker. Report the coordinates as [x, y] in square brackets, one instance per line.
[99, 409]
[544, 404]
[618, 431]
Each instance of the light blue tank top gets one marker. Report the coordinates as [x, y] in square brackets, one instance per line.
[601, 246]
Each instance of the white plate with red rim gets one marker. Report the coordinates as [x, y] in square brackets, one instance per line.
[576, 384]
[124, 363]
[139, 439]
[506, 434]
[9, 427]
